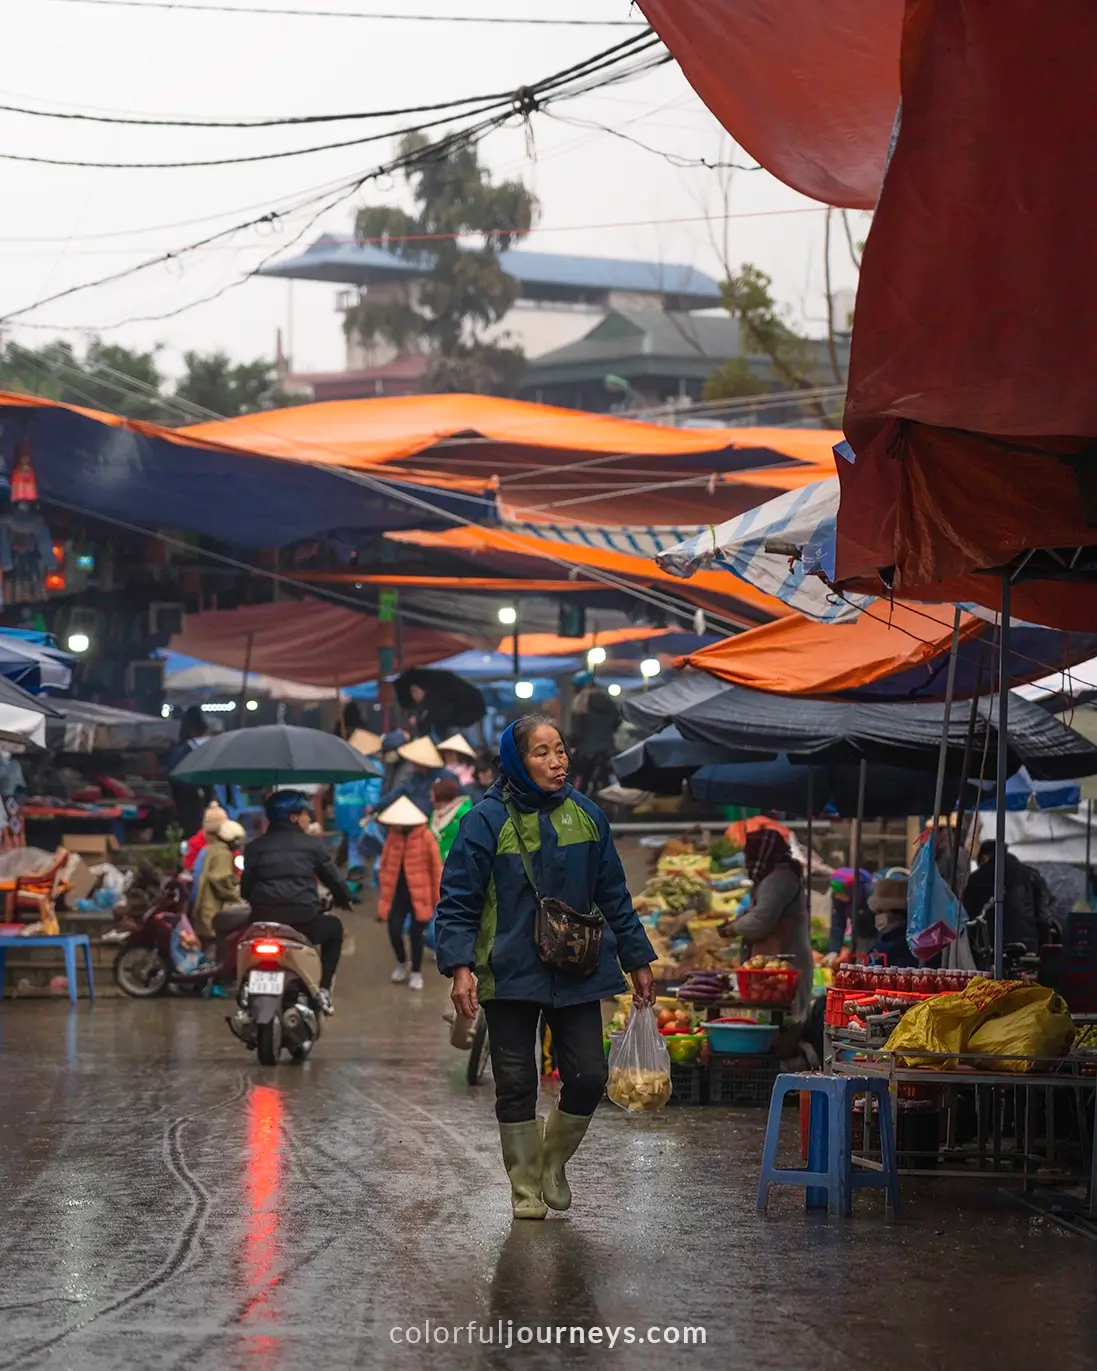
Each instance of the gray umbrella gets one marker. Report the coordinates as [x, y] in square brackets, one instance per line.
[274, 754]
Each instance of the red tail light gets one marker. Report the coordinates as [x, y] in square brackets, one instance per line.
[268, 949]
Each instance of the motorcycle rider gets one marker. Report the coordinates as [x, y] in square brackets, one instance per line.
[281, 869]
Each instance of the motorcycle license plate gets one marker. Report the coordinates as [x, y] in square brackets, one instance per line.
[266, 982]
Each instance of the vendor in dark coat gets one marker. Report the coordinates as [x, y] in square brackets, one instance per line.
[888, 903]
[485, 941]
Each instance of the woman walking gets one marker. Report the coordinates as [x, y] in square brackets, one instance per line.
[535, 918]
[411, 866]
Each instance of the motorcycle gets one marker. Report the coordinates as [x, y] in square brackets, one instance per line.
[279, 994]
[150, 959]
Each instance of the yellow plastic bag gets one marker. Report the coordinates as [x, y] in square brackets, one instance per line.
[945, 1023]
[1039, 1027]
[941, 1025]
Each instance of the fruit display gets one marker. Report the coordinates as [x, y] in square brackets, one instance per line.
[672, 1021]
[677, 890]
[637, 1090]
[768, 980]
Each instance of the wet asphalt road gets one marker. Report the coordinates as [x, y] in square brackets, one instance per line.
[166, 1203]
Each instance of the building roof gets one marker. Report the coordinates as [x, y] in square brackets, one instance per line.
[343, 260]
[649, 341]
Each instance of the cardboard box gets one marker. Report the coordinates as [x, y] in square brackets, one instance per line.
[96, 845]
[81, 882]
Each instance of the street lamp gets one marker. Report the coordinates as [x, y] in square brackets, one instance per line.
[508, 615]
[614, 689]
[78, 642]
[524, 690]
[596, 656]
[650, 667]
[252, 706]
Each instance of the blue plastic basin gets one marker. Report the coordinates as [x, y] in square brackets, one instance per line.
[749, 1039]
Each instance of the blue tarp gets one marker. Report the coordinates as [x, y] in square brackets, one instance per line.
[118, 473]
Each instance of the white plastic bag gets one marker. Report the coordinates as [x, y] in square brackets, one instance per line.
[639, 1065]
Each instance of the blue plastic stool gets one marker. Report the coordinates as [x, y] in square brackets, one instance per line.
[68, 943]
[830, 1177]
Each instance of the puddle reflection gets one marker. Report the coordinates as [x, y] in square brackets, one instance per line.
[261, 1249]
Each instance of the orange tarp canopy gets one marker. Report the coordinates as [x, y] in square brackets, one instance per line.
[798, 656]
[367, 433]
[808, 87]
[713, 589]
[552, 645]
[305, 640]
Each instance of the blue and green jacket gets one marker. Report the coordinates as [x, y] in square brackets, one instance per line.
[486, 913]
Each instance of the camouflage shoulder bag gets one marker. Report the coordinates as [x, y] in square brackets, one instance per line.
[567, 941]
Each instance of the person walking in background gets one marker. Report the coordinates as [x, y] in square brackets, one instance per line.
[459, 756]
[484, 776]
[190, 800]
[422, 762]
[594, 720]
[411, 869]
[535, 838]
[1028, 903]
[451, 805]
[863, 932]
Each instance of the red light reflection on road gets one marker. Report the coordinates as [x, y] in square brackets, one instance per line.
[261, 1249]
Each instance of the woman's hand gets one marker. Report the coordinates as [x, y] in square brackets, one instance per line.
[643, 986]
[465, 999]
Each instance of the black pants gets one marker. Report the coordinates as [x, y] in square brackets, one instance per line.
[401, 908]
[580, 1056]
[324, 931]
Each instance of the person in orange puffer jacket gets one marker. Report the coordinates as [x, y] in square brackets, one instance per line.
[411, 874]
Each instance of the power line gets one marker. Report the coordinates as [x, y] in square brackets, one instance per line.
[528, 99]
[282, 121]
[354, 14]
[673, 158]
[523, 102]
[381, 239]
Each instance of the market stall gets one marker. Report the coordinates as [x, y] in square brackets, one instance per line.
[990, 1079]
[727, 1020]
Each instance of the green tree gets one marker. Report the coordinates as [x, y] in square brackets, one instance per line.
[763, 330]
[213, 382]
[107, 377]
[465, 293]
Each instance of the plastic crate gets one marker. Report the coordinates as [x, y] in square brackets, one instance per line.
[687, 1083]
[763, 986]
[742, 1080]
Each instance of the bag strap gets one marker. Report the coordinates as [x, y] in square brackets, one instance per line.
[523, 851]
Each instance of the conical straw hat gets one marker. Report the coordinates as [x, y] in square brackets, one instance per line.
[365, 742]
[403, 813]
[422, 752]
[458, 743]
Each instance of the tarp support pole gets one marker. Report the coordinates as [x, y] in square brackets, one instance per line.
[950, 690]
[1089, 849]
[1000, 783]
[811, 818]
[855, 852]
[517, 645]
[242, 703]
[965, 773]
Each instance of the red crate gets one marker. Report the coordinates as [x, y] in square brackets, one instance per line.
[764, 986]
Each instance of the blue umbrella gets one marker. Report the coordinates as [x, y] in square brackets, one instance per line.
[35, 666]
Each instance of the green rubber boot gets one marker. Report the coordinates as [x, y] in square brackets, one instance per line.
[523, 1145]
[563, 1134]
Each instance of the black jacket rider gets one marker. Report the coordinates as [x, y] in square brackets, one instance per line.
[281, 869]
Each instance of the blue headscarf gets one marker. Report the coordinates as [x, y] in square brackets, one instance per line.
[512, 766]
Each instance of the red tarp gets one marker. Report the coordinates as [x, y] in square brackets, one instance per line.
[306, 640]
[974, 346]
[808, 87]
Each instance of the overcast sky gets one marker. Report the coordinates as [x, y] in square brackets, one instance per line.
[63, 226]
